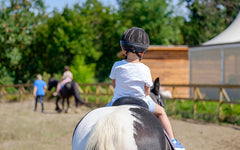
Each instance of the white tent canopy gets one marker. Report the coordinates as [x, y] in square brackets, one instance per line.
[217, 61]
[229, 35]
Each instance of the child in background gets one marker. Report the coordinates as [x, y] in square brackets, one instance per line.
[66, 77]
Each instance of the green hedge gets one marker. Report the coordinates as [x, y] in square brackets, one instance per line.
[206, 111]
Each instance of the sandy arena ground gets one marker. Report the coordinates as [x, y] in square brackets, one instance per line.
[194, 135]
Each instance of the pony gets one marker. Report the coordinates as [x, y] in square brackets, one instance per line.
[127, 125]
[68, 90]
[158, 94]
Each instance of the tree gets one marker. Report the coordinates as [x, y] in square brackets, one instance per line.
[108, 30]
[208, 19]
[153, 16]
[63, 39]
[18, 23]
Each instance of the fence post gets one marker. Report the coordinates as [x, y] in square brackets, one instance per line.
[226, 96]
[220, 102]
[110, 91]
[20, 93]
[97, 94]
[174, 100]
[2, 92]
[86, 92]
[195, 102]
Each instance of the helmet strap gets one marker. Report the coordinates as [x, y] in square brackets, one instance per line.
[140, 57]
[125, 55]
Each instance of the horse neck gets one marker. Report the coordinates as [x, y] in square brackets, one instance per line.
[55, 83]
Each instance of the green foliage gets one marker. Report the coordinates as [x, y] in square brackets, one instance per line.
[32, 42]
[153, 16]
[82, 73]
[208, 19]
[17, 29]
[231, 110]
[108, 31]
[64, 38]
[206, 111]
[5, 78]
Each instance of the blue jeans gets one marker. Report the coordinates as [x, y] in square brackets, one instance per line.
[41, 101]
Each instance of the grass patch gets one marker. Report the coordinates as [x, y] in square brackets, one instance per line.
[206, 111]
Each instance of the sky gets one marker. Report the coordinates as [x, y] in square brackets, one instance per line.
[60, 4]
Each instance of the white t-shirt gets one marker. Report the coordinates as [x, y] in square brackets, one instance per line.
[68, 74]
[130, 79]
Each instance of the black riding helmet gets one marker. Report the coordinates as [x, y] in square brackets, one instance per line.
[135, 40]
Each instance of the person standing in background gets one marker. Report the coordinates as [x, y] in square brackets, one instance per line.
[39, 88]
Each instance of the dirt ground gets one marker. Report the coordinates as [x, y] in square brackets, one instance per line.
[23, 129]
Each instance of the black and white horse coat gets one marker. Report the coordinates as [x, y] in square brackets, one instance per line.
[125, 127]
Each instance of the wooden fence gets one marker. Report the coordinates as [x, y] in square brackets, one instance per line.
[18, 89]
[223, 97]
[106, 89]
[97, 89]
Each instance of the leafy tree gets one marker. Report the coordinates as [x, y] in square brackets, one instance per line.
[83, 73]
[17, 29]
[64, 38]
[208, 19]
[107, 29]
[153, 16]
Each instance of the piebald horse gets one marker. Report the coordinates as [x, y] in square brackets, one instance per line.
[127, 125]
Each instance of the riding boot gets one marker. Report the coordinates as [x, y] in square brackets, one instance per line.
[35, 107]
[42, 108]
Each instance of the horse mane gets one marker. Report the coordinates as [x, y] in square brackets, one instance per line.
[118, 132]
[156, 87]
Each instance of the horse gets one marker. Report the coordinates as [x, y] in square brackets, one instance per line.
[127, 125]
[68, 90]
[158, 94]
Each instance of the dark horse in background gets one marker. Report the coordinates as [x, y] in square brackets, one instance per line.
[127, 125]
[68, 90]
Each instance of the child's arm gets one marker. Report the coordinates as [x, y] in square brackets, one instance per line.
[147, 90]
[113, 82]
[34, 91]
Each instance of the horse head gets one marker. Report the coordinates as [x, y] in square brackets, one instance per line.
[52, 83]
[156, 93]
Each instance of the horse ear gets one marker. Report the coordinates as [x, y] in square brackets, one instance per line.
[157, 83]
[156, 86]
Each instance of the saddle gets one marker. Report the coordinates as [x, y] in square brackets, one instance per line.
[130, 101]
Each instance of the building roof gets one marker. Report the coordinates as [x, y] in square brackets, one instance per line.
[162, 48]
[168, 47]
[229, 35]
